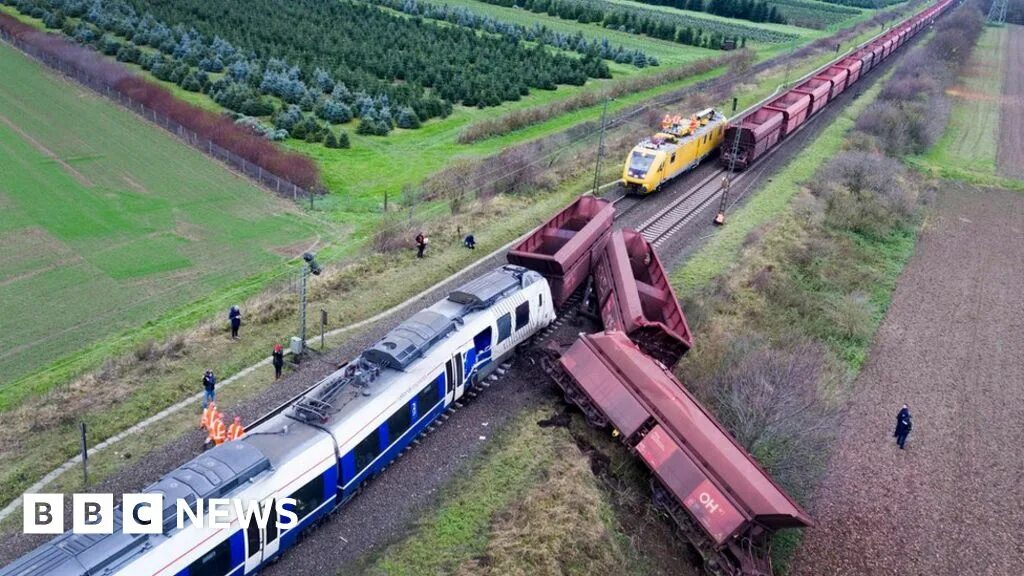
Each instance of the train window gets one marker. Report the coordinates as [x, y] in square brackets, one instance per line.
[216, 562]
[400, 422]
[309, 497]
[273, 530]
[522, 315]
[428, 397]
[504, 328]
[367, 451]
[252, 536]
[673, 157]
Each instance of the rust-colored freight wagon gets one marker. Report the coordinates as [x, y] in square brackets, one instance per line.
[721, 498]
[635, 297]
[748, 140]
[795, 107]
[866, 61]
[818, 90]
[878, 51]
[854, 67]
[837, 76]
[561, 248]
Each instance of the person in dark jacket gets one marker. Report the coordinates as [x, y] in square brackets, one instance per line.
[421, 244]
[469, 242]
[209, 385]
[277, 361]
[903, 426]
[235, 317]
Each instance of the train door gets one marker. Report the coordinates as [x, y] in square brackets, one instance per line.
[261, 544]
[453, 377]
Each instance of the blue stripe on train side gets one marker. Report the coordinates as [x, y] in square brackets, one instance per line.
[392, 451]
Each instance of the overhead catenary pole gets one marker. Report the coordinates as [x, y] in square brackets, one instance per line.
[302, 306]
[600, 146]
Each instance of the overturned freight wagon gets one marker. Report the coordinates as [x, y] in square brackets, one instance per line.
[561, 249]
[725, 504]
[633, 295]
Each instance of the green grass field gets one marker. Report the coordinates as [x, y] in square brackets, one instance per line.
[109, 222]
[971, 138]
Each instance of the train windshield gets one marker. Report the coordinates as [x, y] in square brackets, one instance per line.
[640, 163]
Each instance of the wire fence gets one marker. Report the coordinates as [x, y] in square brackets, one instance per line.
[250, 169]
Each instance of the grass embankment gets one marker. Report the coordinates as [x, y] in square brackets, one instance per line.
[967, 150]
[110, 223]
[530, 505]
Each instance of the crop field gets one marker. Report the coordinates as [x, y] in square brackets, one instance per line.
[813, 13]
[972, 135]
[108, 222]
[292, 93]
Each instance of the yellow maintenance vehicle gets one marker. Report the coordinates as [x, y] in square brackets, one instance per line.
[680, 146]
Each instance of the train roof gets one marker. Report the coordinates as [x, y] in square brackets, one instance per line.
[411, 339]
[400, 349]
[663, 140]
[212, 475]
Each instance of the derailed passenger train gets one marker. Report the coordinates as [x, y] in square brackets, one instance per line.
[319, 451]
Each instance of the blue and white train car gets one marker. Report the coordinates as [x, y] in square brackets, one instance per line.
[321, 450]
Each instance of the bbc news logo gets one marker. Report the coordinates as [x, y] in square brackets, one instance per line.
[143, 513]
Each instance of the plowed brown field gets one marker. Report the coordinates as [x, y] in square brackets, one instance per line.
[951, 345]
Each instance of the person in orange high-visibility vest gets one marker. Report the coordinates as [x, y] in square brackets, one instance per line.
[236, 430]
[209, 415]
[218, 432]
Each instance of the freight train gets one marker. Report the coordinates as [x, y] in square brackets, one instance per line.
[319, 451]
[750, 137]
[681, 145]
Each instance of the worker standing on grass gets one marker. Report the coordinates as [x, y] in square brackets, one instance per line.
[421, 244]
[469, 242]
[236, 430]
[277, 359]
[903, 426]
[209, 385]
[235, 317]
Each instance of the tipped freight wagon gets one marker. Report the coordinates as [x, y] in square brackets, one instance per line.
[634, 296]
[750, 138]
[725, 504]
[561, 248]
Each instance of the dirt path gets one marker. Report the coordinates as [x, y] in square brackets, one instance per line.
[951, 346]
[1011, 128]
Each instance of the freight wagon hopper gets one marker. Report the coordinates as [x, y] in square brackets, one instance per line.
[634, 296]
[794, 106]
[722, 501]
[561, 248]
[818, 91]
[747, 141]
